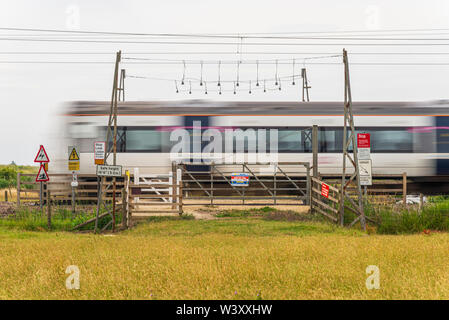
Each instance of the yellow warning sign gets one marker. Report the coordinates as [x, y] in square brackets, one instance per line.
[73, 155]
[74, 166]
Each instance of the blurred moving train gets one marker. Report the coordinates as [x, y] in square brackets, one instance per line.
[410, 137]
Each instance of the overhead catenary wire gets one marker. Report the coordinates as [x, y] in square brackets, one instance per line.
[267, 44]
[198, 80]
[239, 36]
[214, 52]
[155, 63]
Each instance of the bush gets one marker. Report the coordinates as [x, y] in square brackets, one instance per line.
[400, 220]
[8, 177]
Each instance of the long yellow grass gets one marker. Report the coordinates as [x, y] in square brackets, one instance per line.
[176, 260]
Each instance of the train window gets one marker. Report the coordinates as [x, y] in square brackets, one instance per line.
[386, 140]
[391, 141]
[143, 140]
[330, 139]
[383, 140]
[289, 140]
[294, 140]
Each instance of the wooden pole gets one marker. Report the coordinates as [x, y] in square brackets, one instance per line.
[173, 185]
[124, 212]
[355, 178]
[99, 187]
[41, 191]
[18, 188]
[114, 159]
[48, 210]
[6, 196]
[73, 201]
[315, 150]
[112, 123]
[421, 202]
[404, 188]
[180, 199]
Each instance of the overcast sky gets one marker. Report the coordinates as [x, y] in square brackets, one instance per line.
[32, 92]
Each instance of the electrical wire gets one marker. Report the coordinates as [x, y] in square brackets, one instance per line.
[239, 36]
[227, 43]
[213, 53]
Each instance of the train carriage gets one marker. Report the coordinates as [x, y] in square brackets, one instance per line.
[405, 136]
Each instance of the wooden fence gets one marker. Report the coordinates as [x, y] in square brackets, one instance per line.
[326, 205]
[61, 191]
[384, 189]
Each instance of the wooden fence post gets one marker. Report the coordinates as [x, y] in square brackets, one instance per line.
[48, 210]
[173, 186]
[6, 196]
[404, 188]
[124, 211]
[180, 199]
[18, 188]
[315, 150]
[421, 202]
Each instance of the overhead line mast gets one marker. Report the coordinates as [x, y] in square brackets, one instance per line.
[348, 125]
[111, 132]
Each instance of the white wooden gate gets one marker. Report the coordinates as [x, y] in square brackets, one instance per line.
[151, 194]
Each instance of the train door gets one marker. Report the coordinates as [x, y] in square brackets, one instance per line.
[442, 142]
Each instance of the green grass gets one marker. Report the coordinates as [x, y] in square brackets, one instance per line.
[182, 258]
[245, 212]
[62, 219]
[397, 219]
[181, 227]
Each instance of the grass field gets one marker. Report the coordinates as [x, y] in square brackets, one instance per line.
[229, 258]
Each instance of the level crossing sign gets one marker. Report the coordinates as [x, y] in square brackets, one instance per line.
[73, 158]
[42, 155]
[42, 175]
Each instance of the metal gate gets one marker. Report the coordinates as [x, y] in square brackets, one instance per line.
[284, 183]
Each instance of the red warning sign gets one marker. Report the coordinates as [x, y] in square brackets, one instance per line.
[41, 155]
[42, 175]
[363, 140]
[325, 190]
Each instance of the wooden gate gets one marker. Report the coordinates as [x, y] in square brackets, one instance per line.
[152, 195]
[325, 199]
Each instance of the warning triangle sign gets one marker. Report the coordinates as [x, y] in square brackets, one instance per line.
[73, 155]
[41, 155]
[42, 175]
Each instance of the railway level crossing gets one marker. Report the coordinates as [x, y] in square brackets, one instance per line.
[352, 202]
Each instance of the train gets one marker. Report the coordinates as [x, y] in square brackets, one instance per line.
[411, 137]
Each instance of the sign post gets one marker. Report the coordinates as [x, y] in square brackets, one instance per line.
[99, 152]
[240, 179]
[365, 169]
[74, 184]
[364, 146]
[109, 171]
[42, 175]
[73, 158]
[364, 153]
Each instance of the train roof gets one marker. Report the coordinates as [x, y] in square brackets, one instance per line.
[204, 107]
